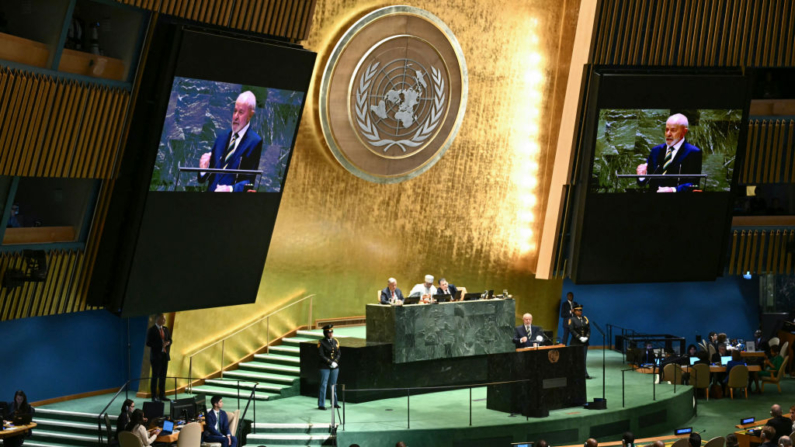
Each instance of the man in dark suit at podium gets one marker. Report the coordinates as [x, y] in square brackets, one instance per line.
[159, 341]
[674, 157]
[238, 148]
[391, 294]
[527, 335]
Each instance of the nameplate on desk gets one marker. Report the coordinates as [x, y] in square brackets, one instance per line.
[557, 382]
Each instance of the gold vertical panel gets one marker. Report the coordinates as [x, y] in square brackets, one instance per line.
[790, 149]
[747, 258]
[733, 255]
[754, 265]
[769, 253]
[361, 233]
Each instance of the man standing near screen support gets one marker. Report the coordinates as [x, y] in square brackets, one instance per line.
[675, 156]
[159, 341]
[239, 148]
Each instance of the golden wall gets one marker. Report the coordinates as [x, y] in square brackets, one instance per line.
[472, 218]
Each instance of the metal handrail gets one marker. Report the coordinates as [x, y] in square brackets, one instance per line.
[253, 323]
[126, 388]
[267, 320]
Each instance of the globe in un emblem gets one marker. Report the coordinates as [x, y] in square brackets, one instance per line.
[399, 104]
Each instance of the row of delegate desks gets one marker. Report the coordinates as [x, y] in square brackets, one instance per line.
[444, 346]
[745, 439]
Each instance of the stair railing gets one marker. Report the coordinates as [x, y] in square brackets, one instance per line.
[266, 319]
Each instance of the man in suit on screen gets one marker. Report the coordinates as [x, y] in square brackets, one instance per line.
[674, 157]
[238, 148]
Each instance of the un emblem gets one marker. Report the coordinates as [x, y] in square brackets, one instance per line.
[391, 103]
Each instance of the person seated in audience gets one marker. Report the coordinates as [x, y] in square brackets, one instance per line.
[703, 358]
[722, 338]
[216, 428]
[782, 425]
[658, 443]
[737, 359]
[391, 294]
[692, 350]
[712, 339]
[426, 290]
[541, 443]
[137, 426]
[784, 441]
[731, 440]
[628, 439]
[648, 355]
[591, 442]
[127, 408]
[694, 440]
[721, 352]
[772, 364]
[18, 407]
[768, 433]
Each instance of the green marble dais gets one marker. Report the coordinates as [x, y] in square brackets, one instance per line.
[446, 330]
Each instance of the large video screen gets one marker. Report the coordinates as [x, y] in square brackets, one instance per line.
[665, 150]
[245, 130]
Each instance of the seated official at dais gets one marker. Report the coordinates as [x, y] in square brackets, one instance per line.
[425, 291]
[391, 294]
[446, 288]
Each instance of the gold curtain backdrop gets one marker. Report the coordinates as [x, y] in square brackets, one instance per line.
[473, 218]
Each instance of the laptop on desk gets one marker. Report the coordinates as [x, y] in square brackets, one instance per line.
[442, 298]
[22, 419]
[724, 360]
[413, 299]
[472, 296]
[693, 360]
[168, 428]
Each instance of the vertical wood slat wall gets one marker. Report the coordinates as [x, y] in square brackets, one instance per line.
[720, 33]
[60, 293]
[284, 18]
[53, 127]
[769, 152]
[762, 252]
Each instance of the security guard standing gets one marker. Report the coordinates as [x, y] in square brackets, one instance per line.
[329, 350]
[580, 330]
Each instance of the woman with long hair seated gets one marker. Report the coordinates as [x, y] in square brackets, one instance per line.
[19, 407]
[127, 408]
[138, 428]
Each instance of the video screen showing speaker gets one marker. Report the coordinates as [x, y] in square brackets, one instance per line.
[241, 135]
[656, 171]
[217, 112]
[665, 150]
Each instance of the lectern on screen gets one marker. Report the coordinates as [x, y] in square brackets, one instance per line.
[653, 193]
[203, 172]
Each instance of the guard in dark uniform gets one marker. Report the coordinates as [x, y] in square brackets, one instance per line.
[329, 350]
[580, 330]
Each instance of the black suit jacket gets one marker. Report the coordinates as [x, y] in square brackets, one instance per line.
[520, 332]
[386, 295]
[155, 344]
[782, 425]
[246, 156]
[329, 350]
[565, 309]
[451, 287]
[686, 161]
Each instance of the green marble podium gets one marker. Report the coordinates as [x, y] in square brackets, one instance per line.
[442, 331]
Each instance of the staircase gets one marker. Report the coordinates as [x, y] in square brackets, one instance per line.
[58, 428]
[291, 434]
[277, 372]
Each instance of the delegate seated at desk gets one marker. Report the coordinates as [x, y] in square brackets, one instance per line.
[446, 288]
[137, 427]
[391, 294]
[425, 290]
[18, 407]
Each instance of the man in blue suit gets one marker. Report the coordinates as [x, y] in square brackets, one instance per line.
[675, 157]
[391, 294]
[238, 148]
[216, 427]
[527, 335]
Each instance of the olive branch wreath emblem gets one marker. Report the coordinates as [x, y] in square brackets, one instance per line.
[370, 131]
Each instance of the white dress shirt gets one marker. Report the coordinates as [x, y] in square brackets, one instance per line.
[423, 290]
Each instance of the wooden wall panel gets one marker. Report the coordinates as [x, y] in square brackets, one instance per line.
[696, 33]
[291, 19]
[51, 127]
[769, 152]
[768, 251]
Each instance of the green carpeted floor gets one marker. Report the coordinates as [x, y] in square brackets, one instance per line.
[451, 409]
